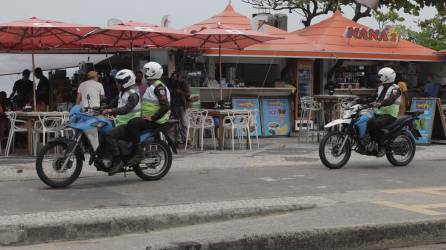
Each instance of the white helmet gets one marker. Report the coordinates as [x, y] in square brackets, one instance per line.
[386, 75]
[126, 78]
[153, 70]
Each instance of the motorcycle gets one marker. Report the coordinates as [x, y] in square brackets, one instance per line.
[59, 163]
[350, 133]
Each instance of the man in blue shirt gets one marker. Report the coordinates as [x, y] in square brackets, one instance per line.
[431, 89]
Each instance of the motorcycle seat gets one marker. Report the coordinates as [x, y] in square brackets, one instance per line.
[413, 113]
[162, 127]
[398, 123]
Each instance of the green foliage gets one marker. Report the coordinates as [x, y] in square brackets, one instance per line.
[386, 18]
[309, 9]
[431, 35]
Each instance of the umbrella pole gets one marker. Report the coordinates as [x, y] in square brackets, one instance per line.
[34, 75]
[219, 58]
[131, 54]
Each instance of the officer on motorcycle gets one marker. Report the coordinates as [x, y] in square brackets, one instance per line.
[387, 105]
[127, 106]
[155, 108]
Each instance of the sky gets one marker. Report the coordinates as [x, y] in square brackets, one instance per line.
[182, 13]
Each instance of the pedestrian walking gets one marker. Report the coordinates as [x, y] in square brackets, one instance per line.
[180, 92]
[90, 92]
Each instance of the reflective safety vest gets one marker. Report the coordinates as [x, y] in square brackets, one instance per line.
[393, 109]
[151, 104]
[122, 101]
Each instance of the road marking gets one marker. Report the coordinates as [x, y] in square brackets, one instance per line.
[432, 206]
[421, 209]
[268, 179]
[437, 190]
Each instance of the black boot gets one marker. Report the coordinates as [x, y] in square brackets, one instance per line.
[138, 155]
[381, 149]
[116, 167]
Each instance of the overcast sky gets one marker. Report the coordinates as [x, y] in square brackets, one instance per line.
[182, 13]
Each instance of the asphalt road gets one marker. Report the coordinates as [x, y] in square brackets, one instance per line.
[310, 179]
[366, 191]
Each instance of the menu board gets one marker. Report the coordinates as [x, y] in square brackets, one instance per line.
[432, 121]
[249, 104]
[276, 117]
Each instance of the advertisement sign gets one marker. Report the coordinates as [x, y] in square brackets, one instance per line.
[276, 117]
[426, 122]
[385, 35]
[249, 104]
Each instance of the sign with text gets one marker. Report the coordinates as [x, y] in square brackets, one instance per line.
[432, 121]
[385, 35]
[276, 116]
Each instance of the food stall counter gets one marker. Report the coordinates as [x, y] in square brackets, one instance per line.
[209, 94]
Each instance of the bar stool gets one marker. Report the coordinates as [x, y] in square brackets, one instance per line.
[311, 111]
[253, 125]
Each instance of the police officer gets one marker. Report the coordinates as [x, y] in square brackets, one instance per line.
[128, 106]
[155, 108]
[387, 103]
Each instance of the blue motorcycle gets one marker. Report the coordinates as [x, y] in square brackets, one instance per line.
[59, 163]
[350, 134]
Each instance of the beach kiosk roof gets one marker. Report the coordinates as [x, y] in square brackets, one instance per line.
[337, 37]
[229, 17]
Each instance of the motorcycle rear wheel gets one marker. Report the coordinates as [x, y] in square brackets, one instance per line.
[335, 139]
[56, 164]
[409, 151]
[157, 161]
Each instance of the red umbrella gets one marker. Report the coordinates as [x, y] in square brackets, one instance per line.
[133, 34]
[221, 36]
[39, 34]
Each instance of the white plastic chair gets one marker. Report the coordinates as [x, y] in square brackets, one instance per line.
[16, 126]
[198, 120]
[235, 121]
[47, 126]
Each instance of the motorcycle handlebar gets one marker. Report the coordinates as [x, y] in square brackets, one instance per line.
[94, 110]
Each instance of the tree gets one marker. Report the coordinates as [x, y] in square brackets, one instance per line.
[309, 9]
[386, 18]
[431, 35]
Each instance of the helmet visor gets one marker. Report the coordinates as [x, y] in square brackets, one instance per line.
[122, 81]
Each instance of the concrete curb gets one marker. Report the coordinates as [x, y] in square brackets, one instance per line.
[86, 224]
[358, 237]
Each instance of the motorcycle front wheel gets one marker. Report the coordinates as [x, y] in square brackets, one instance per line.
[400, 150]
[50, 161]
[156, 163]
[330, 151]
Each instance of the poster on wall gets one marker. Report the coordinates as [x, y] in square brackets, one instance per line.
[249, 104]
[276, 117]
[432, 121]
